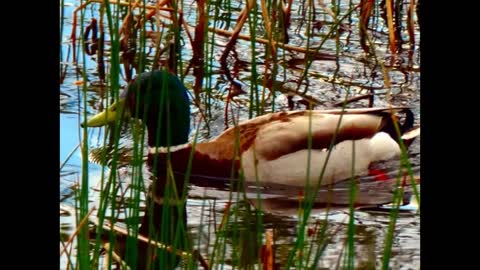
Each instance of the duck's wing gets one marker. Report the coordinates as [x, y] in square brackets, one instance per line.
[277, 134]
[294, 131]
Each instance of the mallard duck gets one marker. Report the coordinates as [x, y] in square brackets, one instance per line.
[272, 148]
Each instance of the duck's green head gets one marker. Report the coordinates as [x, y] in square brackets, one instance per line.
[159, 99]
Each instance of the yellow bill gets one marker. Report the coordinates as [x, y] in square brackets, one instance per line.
[109, 115]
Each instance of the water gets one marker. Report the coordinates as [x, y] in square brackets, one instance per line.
[328, 82]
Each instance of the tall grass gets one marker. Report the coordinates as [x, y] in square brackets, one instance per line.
[83, 250]
[239, 236]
